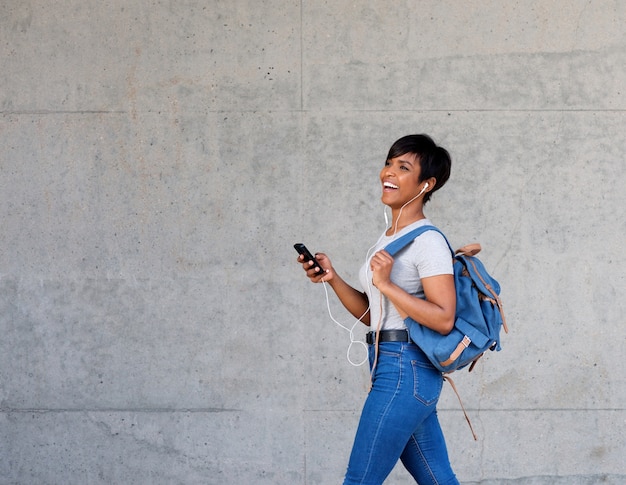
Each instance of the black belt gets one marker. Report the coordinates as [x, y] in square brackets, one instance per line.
[387, 336]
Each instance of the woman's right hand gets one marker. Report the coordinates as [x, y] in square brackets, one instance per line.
[311, 268]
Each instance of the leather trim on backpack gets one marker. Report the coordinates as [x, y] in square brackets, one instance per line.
[463, 344]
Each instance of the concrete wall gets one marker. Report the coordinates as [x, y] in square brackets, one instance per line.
[158, 159]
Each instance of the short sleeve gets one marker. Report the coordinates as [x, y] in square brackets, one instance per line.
[433, 256]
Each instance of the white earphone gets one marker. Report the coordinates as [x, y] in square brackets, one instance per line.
[423, 189]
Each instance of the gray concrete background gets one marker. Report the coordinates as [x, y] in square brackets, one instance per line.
[158, 159]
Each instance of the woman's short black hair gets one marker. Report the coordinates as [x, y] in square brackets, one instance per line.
[434, 160]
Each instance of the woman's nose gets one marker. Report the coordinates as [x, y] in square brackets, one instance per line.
[389, 171]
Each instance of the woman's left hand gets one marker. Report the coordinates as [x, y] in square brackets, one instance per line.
[381, 265]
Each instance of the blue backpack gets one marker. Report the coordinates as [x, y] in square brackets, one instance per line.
[479, 315]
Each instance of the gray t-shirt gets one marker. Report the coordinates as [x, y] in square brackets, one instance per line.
[428, 255]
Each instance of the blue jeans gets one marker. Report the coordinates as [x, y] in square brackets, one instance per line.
[399, 420]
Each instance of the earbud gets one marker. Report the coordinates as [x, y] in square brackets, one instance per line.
[423, 189]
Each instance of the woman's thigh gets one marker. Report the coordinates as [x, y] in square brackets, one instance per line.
[404, 393]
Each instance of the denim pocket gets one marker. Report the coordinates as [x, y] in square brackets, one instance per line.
[427, 383]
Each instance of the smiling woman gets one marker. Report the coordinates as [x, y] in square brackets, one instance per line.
[399, 418]
[420, 154]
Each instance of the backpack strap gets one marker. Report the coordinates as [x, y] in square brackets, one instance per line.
[396, 246]
[449, 379]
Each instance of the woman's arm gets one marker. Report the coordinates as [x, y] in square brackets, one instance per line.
[435, 312]
[354, 301]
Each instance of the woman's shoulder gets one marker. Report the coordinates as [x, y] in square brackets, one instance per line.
[430, 244]
[432, 237]
[431, 254]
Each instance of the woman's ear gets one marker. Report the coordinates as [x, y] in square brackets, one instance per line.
[432, 181]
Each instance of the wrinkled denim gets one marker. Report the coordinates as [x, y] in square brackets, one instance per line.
[399, 420]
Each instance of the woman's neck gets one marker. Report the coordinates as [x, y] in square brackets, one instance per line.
[400, 220]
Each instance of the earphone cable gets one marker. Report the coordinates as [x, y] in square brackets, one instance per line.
[350, 330]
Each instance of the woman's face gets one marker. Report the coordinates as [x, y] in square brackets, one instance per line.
[400, 180]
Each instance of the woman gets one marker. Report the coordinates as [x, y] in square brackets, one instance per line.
[399, 418]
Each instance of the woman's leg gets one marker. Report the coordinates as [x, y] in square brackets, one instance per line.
[397, 404]
[426, 456]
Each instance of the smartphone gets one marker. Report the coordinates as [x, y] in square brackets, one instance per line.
[301, 248]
